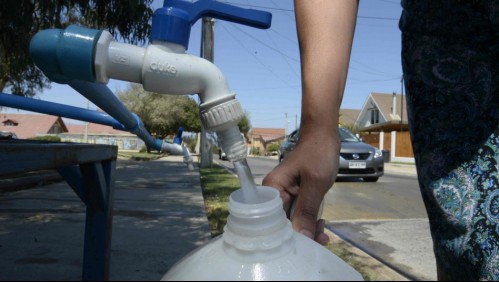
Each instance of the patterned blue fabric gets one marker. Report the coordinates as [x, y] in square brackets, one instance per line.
[450, 52]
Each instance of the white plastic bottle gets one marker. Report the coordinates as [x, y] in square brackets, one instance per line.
[259, 243]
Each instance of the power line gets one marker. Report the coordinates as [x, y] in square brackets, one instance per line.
[264, 44]
[373, 80]
[373, 70]
[292, 10]
[257, 59]
[283, 57]
[378, 18]
[268, 88]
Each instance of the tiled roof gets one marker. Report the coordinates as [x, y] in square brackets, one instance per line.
[94, 128]
[268, 134]
[348, 116]
[29, 125]
[384, 102]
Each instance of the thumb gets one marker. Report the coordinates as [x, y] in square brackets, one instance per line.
[305, 211]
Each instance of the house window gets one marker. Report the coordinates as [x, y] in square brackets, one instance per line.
[374, 116]
[10, 123]
[57, 128]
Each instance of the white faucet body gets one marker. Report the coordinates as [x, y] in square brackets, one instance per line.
[165, 68]
[162, 67]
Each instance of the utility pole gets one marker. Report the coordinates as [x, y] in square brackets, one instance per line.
[207, 52]
[286, 128]
[402, 102]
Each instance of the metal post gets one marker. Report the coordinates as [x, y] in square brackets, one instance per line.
[402, 102]
[85, 139]
[207, 52]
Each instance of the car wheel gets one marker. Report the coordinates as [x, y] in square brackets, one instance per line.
[371, 179]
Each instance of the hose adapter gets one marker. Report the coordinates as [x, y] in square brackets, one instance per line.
[223, 119]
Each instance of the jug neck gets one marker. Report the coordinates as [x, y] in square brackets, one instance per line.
[257, 231]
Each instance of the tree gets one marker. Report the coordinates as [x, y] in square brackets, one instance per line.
[162, 114]
[245, 125]
[21, 19]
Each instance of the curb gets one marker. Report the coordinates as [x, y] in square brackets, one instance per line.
[370, 268]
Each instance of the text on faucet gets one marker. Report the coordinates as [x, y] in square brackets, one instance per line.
[163, 68]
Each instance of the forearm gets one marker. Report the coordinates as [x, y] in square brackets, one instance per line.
[325, 32]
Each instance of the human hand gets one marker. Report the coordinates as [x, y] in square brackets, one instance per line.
[303, 178]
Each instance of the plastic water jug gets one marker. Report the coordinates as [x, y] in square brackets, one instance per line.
[259, 243]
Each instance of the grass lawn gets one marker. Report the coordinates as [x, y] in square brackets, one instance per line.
[140, 156]
[217, 184]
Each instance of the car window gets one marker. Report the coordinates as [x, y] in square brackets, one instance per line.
[7, 135]
[293, 136]
[347, 136]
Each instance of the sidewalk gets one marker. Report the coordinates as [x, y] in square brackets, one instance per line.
[159, 217]
[401, 169]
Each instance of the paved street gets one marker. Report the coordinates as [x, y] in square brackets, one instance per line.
[385, 219]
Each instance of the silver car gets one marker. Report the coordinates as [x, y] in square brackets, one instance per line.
[357, 159]
[7, 135]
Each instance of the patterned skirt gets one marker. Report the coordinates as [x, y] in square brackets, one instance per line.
[450, 58]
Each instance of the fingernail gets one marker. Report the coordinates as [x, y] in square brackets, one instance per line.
[307, 233]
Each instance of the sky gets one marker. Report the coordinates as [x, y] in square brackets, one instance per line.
[262, 66]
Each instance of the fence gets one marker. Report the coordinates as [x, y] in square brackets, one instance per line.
[402, 146]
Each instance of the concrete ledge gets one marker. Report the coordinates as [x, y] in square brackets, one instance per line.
[370, 268]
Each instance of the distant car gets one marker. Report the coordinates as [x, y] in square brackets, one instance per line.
[7, 135]
[357, 159]
[222, 155]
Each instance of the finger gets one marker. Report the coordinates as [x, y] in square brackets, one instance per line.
[321, 237]
[305, 213]
[320, 225]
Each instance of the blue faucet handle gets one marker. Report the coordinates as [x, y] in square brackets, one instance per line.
[173, 22]
[222, 11]
[178, 137]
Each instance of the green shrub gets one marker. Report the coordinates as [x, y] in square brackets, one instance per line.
[273, 147]
[255, 151]
[51, 138]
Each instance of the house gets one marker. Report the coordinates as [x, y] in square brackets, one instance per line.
[261, 138]
[31, 125]
[383, 123]
[101, 134]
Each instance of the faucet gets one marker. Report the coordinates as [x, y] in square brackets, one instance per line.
[83, 58]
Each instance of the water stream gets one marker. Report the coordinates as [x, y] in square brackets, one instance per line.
[247, 182]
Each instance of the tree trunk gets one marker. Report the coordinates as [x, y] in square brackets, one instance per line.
[2, 84]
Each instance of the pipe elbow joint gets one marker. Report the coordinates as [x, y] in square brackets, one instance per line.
[65, 54]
